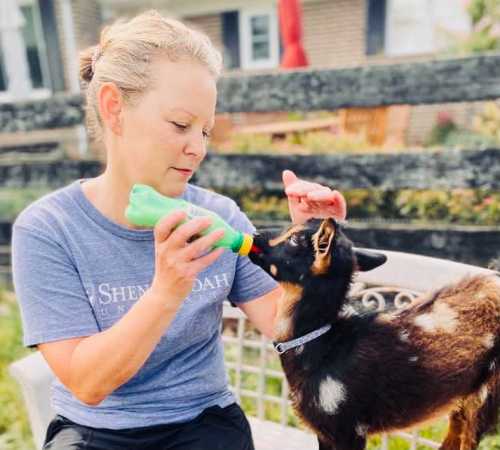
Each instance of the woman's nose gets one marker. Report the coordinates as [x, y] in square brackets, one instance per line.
[197, 146]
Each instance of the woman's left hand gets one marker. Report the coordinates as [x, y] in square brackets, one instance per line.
[308, 200]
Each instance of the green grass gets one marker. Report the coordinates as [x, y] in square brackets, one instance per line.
[15, 432]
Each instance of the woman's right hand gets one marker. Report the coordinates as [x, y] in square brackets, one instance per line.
[178, 258]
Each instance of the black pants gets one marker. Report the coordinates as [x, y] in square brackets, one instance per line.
[215, 428]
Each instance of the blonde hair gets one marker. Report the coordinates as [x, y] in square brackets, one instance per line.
[126, 50]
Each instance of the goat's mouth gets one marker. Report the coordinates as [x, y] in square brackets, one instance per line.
[258, 254]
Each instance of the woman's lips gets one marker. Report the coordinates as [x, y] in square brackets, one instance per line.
[185, 172]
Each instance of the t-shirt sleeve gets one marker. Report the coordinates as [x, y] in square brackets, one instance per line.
[250, 281]
[53, 302]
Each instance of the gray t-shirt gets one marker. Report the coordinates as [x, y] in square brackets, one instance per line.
[76, 273]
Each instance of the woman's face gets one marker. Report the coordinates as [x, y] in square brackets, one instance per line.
[164, 136]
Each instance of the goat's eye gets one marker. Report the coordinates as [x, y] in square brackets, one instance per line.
[294, 241]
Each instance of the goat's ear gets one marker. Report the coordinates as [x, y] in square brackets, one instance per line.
[324, 237]
[323, 242]
[368, 260]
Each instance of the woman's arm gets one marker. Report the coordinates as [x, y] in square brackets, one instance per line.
[262, 311]
[93, 367]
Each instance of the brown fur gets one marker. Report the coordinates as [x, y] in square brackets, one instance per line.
[386, 372]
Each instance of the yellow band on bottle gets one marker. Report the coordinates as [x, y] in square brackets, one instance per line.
[246, 246]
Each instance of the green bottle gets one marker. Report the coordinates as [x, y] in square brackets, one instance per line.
[147, 206]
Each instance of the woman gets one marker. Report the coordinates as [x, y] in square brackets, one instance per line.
[129, 319]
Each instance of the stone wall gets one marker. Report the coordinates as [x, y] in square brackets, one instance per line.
[424, 170]
[436, 82]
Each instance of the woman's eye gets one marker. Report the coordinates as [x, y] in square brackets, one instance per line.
[294, 242]
[181, 126]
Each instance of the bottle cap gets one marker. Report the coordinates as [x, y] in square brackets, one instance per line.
[246, 245]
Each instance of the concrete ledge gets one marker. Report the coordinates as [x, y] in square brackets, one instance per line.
[272, 436]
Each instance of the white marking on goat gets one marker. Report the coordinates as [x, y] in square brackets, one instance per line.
[283, 326]
[483, 394]
[404, 336]
[481, 296]
[441, 317]
[361, 429]
[413, 358]
[273, 269]
[493, 366]
[488, 340]
[331, 394]
[299, 349]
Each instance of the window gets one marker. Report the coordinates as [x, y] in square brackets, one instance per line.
[35, 53]
[409, 27]
[423, 26]
[259, 41]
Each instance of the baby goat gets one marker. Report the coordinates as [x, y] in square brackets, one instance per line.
[378, 372]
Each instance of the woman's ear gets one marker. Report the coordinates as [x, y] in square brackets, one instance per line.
[110, 101]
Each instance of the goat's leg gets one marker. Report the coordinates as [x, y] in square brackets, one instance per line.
[480, 412]
[354, 442]
[489, 412]
[454, 436]
[323, 445]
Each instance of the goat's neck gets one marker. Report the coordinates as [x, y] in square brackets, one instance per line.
[303, 309]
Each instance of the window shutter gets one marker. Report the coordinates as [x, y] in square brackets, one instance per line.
[375, 26]
[231, 39]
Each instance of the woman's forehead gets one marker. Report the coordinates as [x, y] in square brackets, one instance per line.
[183, 87]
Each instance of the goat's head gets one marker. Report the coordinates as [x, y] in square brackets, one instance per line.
[312, 255]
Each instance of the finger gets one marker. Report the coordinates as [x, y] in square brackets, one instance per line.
[304, 187]
[165, 225]
[201, 245]
[341, 206]
[288, 178]
[303, 207]
[332, 201]
[322, 196]
[336, 209]
[203, 262]
[182, 234]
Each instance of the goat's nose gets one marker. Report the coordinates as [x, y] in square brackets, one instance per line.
[259, 240]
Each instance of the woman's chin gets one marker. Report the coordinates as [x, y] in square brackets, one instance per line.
[172, 188]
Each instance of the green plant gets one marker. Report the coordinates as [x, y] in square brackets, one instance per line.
[13, 201]
[15, 433]
[487, 123]
[457, 206]
[443, 127]
[250, 143]
[301, 143]
[485, 34]
[326, 142]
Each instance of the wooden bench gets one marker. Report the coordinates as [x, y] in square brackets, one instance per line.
[398, 281]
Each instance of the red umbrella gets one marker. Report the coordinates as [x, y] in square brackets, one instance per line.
[291, 34]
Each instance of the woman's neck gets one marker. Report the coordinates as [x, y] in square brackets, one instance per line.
[110, 196]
